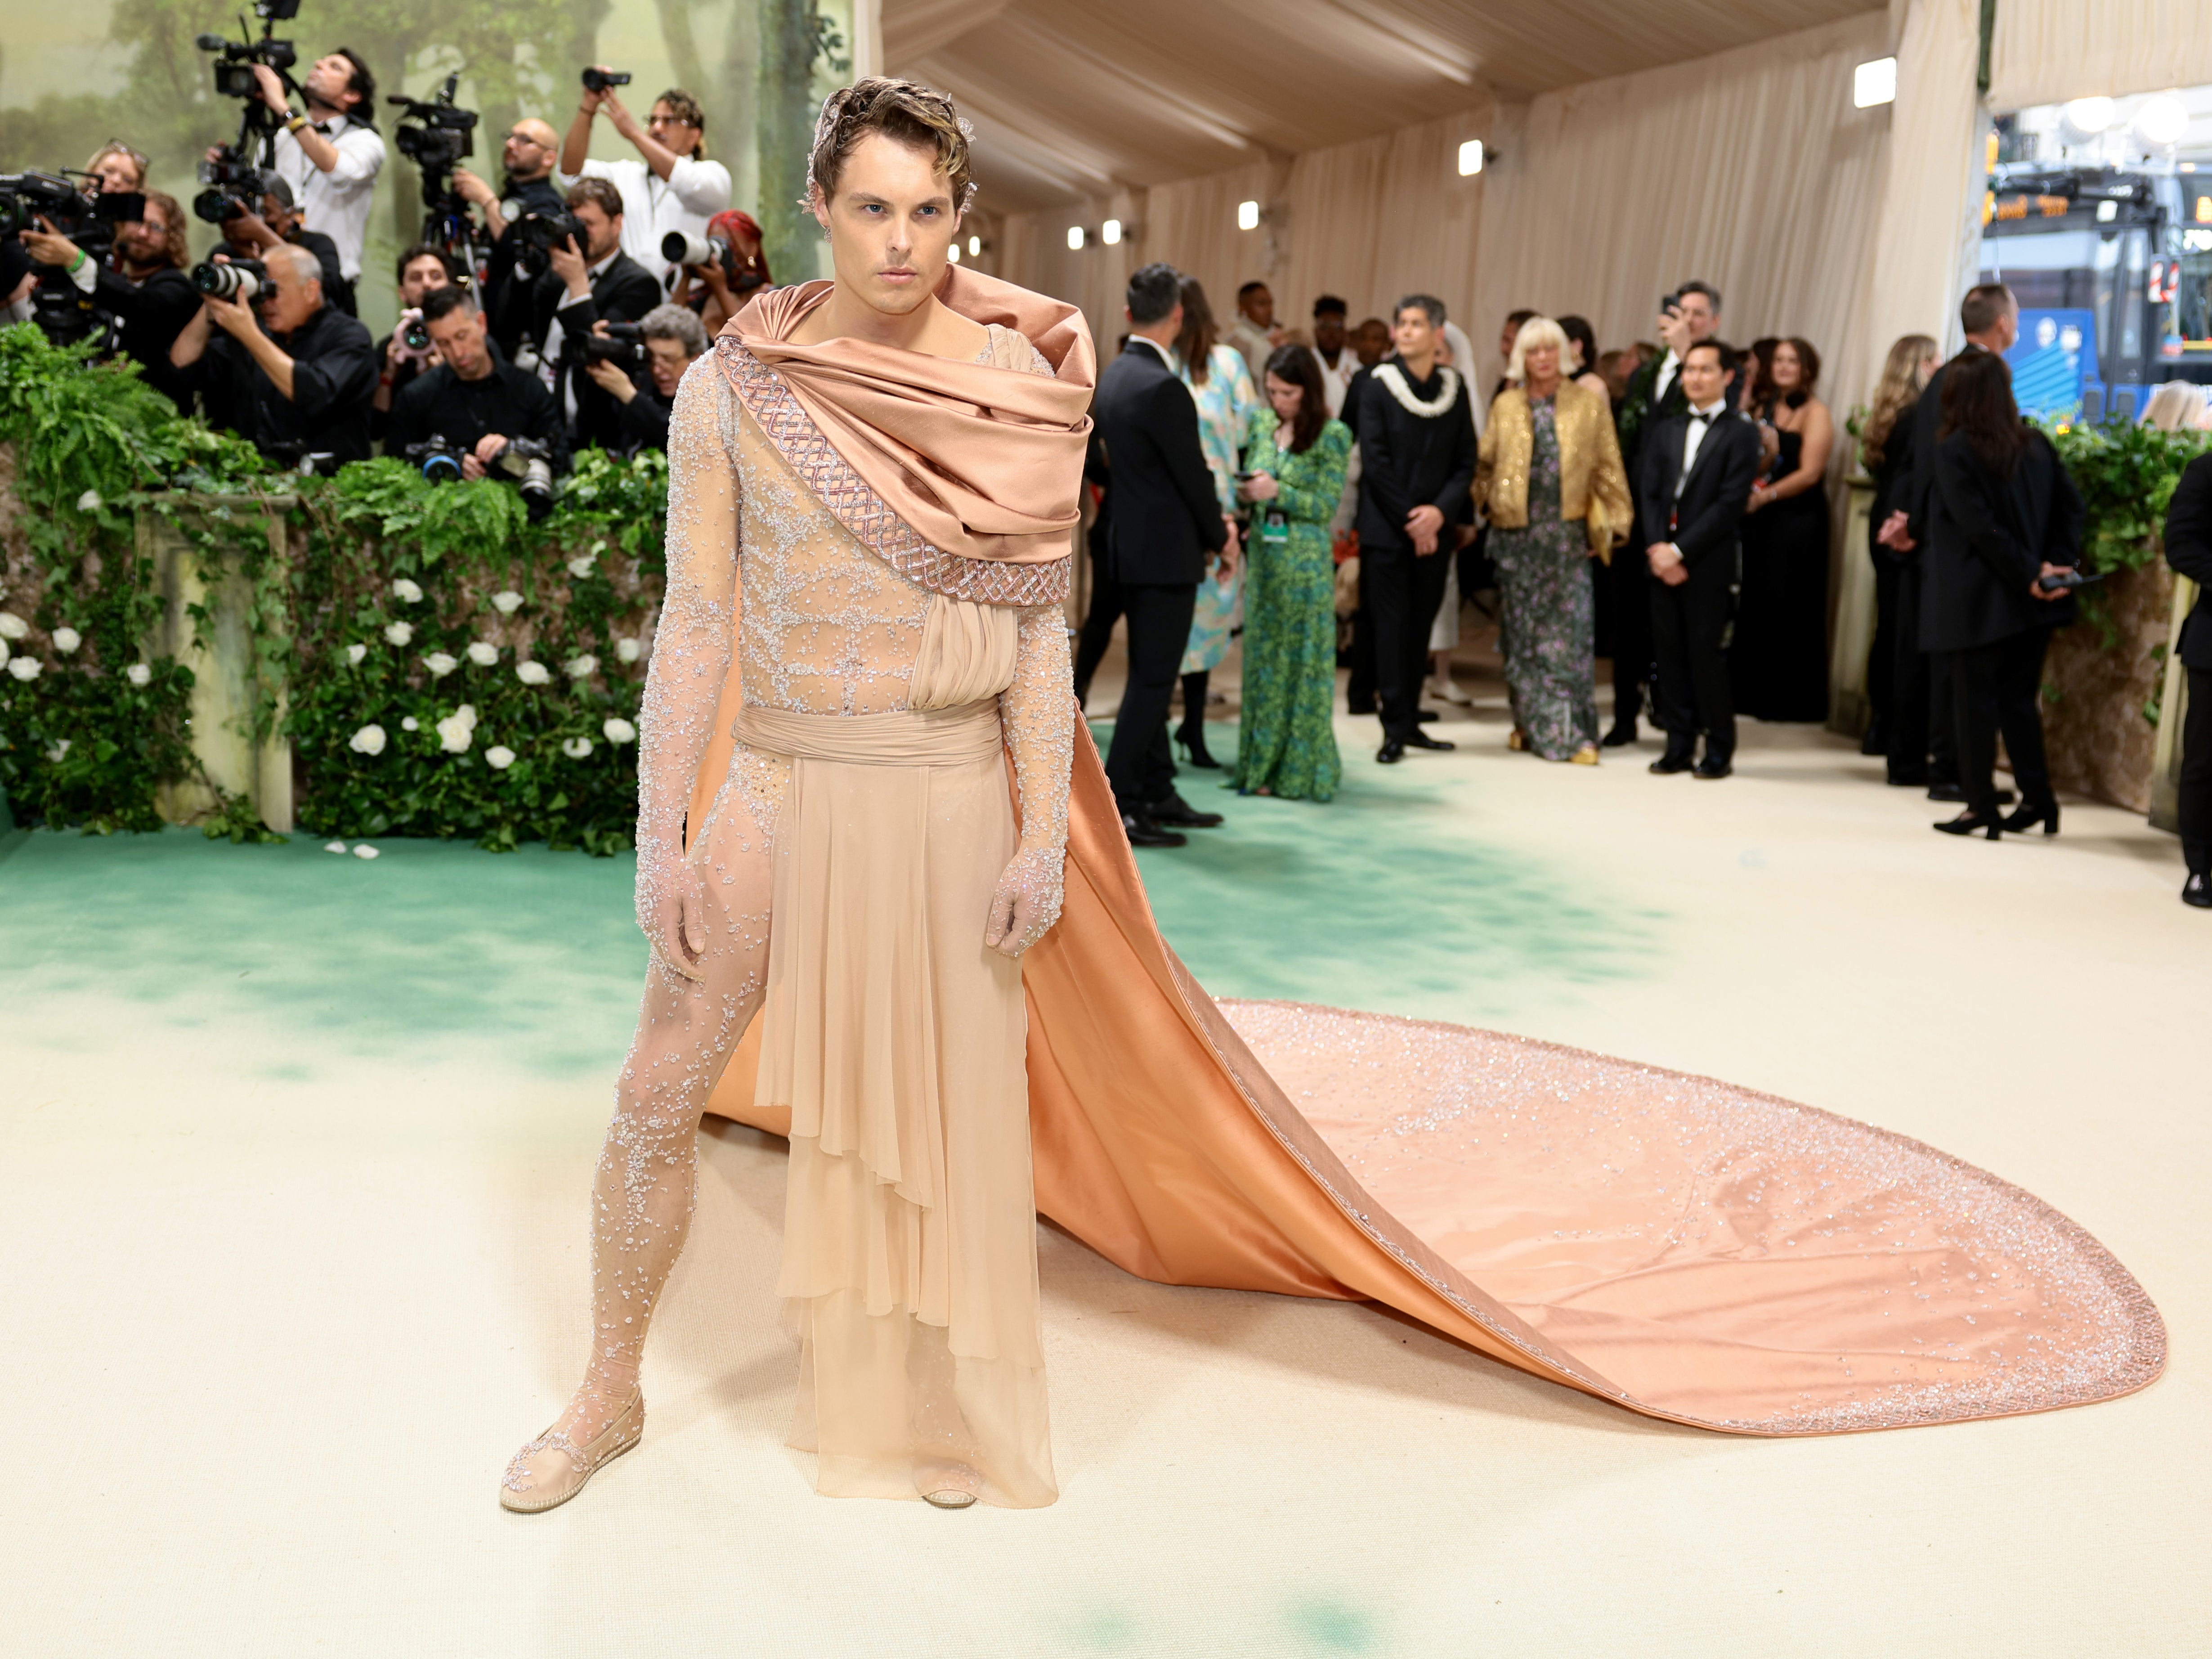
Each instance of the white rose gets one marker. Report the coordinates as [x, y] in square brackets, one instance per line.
[24, 668]
[457, 731]
[506, 602]
[405, 592]
[66, 639]
[354, 653]
[581, 566]
[531, 673]
[57, 749]
[628, 650]
[410, 724]
[370, 740]
[12, 627]
[4, 650]
[138, 674]
[334, 847]
[440, 664]
[89, 501]
[581, 668]
[499, 757]
[400, 633]
[619, 730]
[364, 852]
[483, 653]
[576, 747]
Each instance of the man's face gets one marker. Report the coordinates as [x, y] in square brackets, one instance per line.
[289, 299]
[1259, 306]
[1702, 379]
[667, 360]
[119, 174]
[1699, 317]
[1372, 341]
[891, 224]
[671, 129]
[459, 337]
[329, 83]
[2009, 328]
[144, 241]
[421, 275]
[1328, 332]
[528, 152]
[277, 216]
[602, 234]
[1414, 335]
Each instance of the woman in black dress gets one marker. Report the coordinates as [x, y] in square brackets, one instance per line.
[2003, 519]
[1779, 659]
[1885, 449]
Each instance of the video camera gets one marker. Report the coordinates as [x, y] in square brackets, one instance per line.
[440, 138]
[241, 280]
[623, 345]
[537, 234]
[599, 80]
[743, 274]
[234, 60]
[234, 188]
[87, 217]
[234, 178]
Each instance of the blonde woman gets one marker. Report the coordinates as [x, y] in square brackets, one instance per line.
[1886, 451]
[1548, 474]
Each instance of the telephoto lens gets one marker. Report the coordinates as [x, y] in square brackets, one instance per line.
[621, 343]
[530, 465]
[414, 332]
[232, 279]
[596, 80]
[680, 247]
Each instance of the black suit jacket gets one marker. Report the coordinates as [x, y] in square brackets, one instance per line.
[1706, 516]
[1989, 538]
[1408, 460]
[2189, 551]
[622, 293]
[1163, 516]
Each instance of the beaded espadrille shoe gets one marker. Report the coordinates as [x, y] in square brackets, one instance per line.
[552, 1469]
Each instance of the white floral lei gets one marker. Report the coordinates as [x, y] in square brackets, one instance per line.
[1394, 382]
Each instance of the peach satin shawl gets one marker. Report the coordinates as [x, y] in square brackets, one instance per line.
[982, 462]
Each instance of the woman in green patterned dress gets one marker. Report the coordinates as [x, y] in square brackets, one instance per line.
[1286, 743]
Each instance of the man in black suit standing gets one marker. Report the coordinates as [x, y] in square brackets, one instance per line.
[1923, 737]
[2189, 551]
[1694, 477]
[1163, 522]
[595, 283]
[1416, 469]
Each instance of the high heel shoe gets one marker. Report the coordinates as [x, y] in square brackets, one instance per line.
[2020, 822]
[1190, 738]
[1967, 822]
[536, 1479]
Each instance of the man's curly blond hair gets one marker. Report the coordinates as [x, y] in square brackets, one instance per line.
[906, 111]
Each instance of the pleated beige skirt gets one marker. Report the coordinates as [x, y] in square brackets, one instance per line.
[896, 1036]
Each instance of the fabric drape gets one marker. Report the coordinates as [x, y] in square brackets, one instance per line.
[2049, 52]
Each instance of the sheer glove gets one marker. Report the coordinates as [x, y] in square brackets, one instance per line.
[672, 910]
[1027, 902]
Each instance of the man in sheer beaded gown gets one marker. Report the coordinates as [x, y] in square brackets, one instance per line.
[857, 877]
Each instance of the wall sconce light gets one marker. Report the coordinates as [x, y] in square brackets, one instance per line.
[954, 252]
[1075, 239]
[1470, 158]
[1874, 84]
[975, 245]
[1110, 232]
[1248, 215]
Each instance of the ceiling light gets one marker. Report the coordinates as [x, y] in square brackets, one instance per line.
[1874, 83]
[1110, 232]
[2091, 115]
[955, 251]
[2162, 120]
[975, 245]
[1248, 215]
[1075, 238]
[1470, 158]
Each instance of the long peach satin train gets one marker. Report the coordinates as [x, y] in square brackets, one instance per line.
[1685, 1248]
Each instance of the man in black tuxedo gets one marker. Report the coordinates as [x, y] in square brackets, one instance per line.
[1693, 479]
[1416, 469]
[2189, 551]
[1163, 522]
[1690, 316]
[1922, 735]
[596, 283]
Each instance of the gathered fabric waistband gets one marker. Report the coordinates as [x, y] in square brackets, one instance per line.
[917, 736]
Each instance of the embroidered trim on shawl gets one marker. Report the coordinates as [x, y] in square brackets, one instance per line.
[832, 482]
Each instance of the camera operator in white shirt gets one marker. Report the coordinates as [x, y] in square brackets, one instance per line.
[329, 156]
[674, 187]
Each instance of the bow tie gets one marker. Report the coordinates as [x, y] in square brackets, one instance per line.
[1697, 419]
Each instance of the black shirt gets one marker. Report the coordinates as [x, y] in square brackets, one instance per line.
[333, 378]
[509, 400]
[505, 289]
[642, 422]
[153, 313]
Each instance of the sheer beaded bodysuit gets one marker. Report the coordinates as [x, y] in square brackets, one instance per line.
[921, 1363]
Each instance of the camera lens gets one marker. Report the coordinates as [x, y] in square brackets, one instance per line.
[415, 334]
[440, 468]
[226, 282]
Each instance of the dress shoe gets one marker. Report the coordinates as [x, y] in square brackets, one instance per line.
[1391, 752]
[1176, 813]
[552, 1469]
[1671, 761]
[1424, 715]
[2020, 822]
[1143, 832]
[1423, 740]
[1967, 824]
[1623, 734]
[1875, 742]
[1899, 779]
[1708, 768]
[1958, 792]
[2197, 891]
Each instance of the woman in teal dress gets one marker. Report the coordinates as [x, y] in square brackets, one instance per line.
[1286, 745]
[1221, 385]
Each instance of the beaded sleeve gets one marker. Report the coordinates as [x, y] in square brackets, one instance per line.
[1037, 711]
[692, 645]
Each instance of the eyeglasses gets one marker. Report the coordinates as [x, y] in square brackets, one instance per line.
[519, 136]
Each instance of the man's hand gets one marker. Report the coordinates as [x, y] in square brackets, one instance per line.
[673, 913]
[272, 89]
[253, 228]
[1893, 535]
[594, 100]
[2044, 594]
[568, 265]
[1423, 525]
[1666, 561]
[469, 188]
[613, 378]
[234, 317]
[476, 463]
[1674, 330]
[618, 114]
[49, 247]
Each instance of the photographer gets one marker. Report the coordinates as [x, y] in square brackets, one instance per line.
[330, 157]
[251, 235]
[673, 341]
[725, 285]
[422, 270]
[298, 378]
[143, 285]
[473, 399]
[674, 187]
[597, 283]
[527, 155]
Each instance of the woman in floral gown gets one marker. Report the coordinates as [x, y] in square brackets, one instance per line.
[1221, 385]
[1286, 745]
